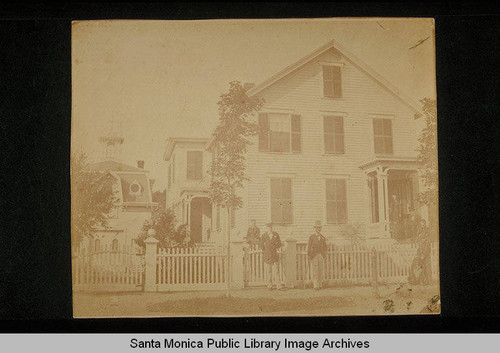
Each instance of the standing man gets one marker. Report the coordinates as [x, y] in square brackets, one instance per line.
[316, 250]
[270, 243]
[253, 234]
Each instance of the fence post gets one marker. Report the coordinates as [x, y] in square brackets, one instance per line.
[374, 264]
[238, 271]
[290, 263]
[150, 262]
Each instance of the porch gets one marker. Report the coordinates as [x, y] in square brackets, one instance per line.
[392, 187]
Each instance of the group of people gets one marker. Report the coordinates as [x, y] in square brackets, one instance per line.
[270, 243]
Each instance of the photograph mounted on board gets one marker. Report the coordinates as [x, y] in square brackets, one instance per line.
[278, 167]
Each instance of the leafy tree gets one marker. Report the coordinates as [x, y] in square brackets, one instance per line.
[428, 161]
[92, 198]
[160, 197]
[164, 223]
[231, 138]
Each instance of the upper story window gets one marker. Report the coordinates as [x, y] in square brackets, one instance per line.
[332, 81]
[194, 165]
[382, 136]
[333, 130]
[281, 201]
[279, 132]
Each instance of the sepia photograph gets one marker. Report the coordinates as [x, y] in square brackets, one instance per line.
[237, 168]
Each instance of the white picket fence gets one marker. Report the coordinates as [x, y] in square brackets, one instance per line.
[353, 264]
[108, 270]
[200, 268]
[255, 272]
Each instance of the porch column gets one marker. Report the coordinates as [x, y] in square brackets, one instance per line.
[383, 200]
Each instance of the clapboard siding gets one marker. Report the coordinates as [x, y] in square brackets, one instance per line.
[301, 93]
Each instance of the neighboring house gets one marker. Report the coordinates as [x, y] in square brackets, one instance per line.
[188, 185]
[132, 187]
[337, 144]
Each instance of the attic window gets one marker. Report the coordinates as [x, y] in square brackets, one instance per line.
[332, 80]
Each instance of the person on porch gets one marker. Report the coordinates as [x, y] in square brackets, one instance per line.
[270, 243]
[316, 251]
[253, 234]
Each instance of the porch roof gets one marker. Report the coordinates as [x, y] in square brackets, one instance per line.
[391, 163]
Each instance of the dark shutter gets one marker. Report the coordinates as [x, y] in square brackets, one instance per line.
[263, 132]
[337, 82]
[296, 143]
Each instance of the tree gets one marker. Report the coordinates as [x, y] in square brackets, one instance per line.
[231, 138]
[428, 161]
[160, 197]
[163, 222]
[92, 198]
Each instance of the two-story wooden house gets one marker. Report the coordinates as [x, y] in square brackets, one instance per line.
[337, 143]
[188, 185]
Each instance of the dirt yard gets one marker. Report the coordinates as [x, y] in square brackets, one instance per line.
[391, 300]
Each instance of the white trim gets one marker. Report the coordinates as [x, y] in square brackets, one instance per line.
[278, 111]
[332, 63]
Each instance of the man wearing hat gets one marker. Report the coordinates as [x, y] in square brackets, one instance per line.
[316, 251]
[270, 243]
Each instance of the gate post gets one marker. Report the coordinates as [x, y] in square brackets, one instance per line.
[237, 276]
[290, 263]
[150, 261]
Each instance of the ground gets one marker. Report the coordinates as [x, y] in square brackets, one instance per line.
[359, 300]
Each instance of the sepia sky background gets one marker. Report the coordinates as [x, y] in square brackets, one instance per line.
[164, 78]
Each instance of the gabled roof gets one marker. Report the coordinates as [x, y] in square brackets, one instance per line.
[351, 57]
[114, 166]
[173, 140]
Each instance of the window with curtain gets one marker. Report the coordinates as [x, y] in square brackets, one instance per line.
[279, 132]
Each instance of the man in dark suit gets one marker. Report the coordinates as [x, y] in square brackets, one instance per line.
[316, 251]
[270, 243]
[253, 234]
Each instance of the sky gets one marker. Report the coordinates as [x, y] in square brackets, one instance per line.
[161, 79]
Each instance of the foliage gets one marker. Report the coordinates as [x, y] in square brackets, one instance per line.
[160, 197]
[231, 141]
[92, 198]
[427, 154]
[164, 223]
[352, 231]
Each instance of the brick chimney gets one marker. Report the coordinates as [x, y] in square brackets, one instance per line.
[140, 164]
[248, 86]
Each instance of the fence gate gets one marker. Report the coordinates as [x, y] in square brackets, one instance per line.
[108, 270]
[255, 272]
[181, 269]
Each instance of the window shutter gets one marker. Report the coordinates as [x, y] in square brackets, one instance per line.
[296, 143]
[263, 132]
[337, 82]
[198, 165]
